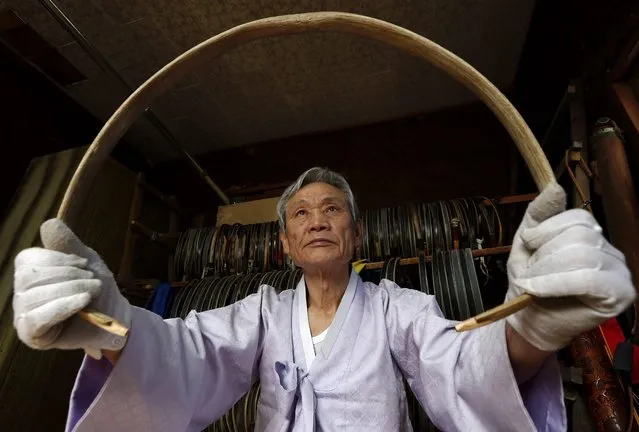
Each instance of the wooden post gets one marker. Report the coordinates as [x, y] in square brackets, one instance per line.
[578, 135]
[618, 194]
[607, 399]
[125, 276]
[135, 228]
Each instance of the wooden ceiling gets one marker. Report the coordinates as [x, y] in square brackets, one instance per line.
[283, 86]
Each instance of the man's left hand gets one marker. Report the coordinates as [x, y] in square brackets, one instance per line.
[578, 278]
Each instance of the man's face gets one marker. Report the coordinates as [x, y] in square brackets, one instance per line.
[319, 230]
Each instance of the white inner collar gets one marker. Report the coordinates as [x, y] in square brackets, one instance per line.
[320, 337]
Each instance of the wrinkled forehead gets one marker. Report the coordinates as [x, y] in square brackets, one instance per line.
[317, 193]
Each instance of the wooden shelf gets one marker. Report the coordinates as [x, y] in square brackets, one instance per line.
[415, 260]
[499, 250]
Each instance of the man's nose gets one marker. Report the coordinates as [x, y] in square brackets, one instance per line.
[318, 221]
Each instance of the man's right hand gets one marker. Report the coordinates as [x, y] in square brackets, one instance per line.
[53, 283]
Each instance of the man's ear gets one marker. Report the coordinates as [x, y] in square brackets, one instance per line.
[284, 241]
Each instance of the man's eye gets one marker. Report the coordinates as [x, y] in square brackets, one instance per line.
[300, 212]
[332, 209]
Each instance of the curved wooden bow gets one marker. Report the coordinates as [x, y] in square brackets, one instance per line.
[382, 31]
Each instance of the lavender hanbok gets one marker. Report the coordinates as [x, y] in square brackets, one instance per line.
[181, 375]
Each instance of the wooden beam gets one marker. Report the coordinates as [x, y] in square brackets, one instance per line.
[251, 190]
[499, 250]
[628, 103]
[627, 106]
[628, 56]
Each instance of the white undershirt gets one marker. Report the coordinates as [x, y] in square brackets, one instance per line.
[317, 340]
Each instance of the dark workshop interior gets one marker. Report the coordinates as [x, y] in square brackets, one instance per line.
[402, 132]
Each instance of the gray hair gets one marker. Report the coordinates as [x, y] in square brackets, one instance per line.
[317, 175]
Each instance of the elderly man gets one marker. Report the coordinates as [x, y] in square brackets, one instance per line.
[331, 354]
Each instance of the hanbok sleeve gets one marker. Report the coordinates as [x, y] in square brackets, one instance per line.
[464, 381]
[173, 375]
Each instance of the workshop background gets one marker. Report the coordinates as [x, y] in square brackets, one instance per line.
[402, 132]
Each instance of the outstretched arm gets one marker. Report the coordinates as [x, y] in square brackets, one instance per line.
[466, 381]
[504, 376]
[173, 374]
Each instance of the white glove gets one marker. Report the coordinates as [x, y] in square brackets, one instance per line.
[51, 285]
[562, 258]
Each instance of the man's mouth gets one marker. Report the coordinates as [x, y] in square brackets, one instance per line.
[320, 242]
